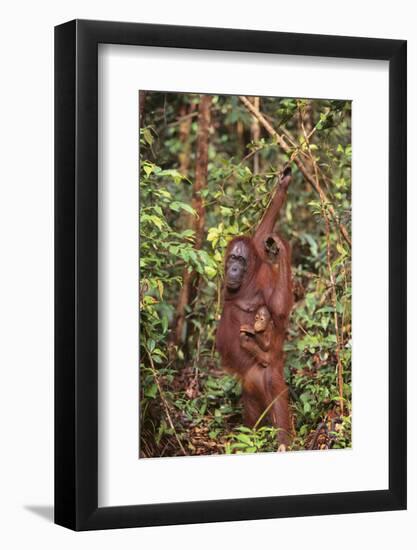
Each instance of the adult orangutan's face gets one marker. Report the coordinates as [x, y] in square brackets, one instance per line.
[236, 265]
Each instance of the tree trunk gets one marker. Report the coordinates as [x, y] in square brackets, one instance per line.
[240, 137]
[190, 280]
[142, 97]
[184, 135]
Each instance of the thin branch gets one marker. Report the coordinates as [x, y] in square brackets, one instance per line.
[183, 118]
[268, 408]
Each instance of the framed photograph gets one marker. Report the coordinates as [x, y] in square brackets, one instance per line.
[230, 284]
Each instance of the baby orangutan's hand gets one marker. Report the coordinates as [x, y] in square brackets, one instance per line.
[247, 329]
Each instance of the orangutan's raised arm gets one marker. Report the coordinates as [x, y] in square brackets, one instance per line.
[270, 217]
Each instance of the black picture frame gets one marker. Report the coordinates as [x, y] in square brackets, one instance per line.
[76, 272]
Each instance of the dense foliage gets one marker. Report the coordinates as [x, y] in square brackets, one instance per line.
[188, 404]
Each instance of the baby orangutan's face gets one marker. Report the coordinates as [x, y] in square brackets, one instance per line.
[262, 318]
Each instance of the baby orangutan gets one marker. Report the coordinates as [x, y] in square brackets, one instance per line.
[257, 339]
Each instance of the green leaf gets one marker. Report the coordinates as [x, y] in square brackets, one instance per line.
[151, 344]
[244, 439]
[151, 391]
[210, 271]
[226, 211]
[148, 168]
[148, 136]
[177, 206]
[164, 323]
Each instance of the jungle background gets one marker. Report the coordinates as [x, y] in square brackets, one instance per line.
[208, 166]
